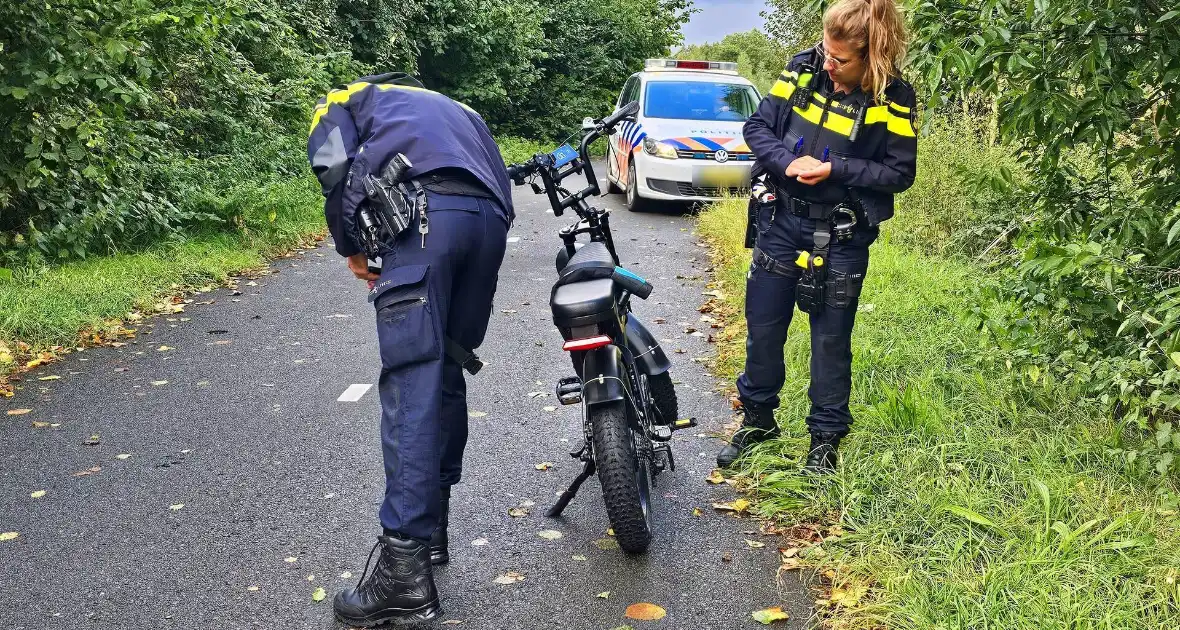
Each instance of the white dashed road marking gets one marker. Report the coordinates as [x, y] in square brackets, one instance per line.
[354, 392]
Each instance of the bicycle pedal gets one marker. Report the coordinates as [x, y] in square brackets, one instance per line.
[660, 433]
[569, 390]
[685, 423]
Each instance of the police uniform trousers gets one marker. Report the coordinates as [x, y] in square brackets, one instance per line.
[423, 294]
[770, 304]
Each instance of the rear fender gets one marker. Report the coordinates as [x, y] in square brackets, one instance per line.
[602, 376]
[649, 356]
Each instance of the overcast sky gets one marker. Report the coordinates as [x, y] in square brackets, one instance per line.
[718, 18]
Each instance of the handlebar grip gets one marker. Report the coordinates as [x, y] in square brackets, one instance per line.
[627, 110]
[517, 171]
[634, 284]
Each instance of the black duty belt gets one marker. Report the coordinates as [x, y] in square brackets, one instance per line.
[809, 209]
[763, 260]
[454, 181]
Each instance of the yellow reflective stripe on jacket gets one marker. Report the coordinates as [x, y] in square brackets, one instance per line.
[899, 125]
[341, 97]
[783, 89]
[812, 114]
[901, 109]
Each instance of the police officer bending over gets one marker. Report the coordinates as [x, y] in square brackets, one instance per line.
[834, 141]
[414, 178]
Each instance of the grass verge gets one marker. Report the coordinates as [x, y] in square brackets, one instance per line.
[45, 312]
[965, 498]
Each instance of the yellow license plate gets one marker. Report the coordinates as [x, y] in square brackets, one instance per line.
[720, 177]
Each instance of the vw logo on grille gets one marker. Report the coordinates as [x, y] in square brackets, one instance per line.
[721, 156]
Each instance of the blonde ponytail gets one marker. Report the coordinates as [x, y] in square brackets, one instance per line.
[877, 30]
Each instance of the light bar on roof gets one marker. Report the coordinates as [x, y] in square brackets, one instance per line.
[687, 64]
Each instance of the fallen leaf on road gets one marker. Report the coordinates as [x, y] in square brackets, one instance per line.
[610, 531]
[507, 311]
[549, 534]
[251, 588]
[517, 512]
[159, 382]
[7, 536]
[715, 477]
[538, 394]
[18, 412]
[754, 544]
[738, 506]
[511, 577]
[603, 595]
[550, 408]
[251, 284]
[346, 575]
[319, 595]
[727, 557]
[37, 494]
[696, 511]
[527, 503]
[659, 320]
[176, 507]
[480, 542]
[623, 628]
[40, 425]
[52, 377]
[89, 471]
[311, 578]
[606, 544]
[290, 559]
[544, 466]
[476, 414]
[34, 363]
[123, 456]
[92, 441]
[451, 622]
[579, 558]
[164, 348]
[644, 611]
[790, 564]
[223, 342]
[770, 615]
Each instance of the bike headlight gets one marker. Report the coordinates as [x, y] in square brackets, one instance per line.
[651, 146]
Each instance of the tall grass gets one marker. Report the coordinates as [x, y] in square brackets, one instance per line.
[966, 499]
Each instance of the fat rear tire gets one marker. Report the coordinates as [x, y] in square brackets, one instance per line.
[620, 474]
[663, 393]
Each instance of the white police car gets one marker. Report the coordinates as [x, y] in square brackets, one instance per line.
[686, 143]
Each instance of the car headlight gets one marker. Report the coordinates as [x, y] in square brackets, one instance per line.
[651, 146]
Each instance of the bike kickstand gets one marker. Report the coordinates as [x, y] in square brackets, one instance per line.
[568, 495]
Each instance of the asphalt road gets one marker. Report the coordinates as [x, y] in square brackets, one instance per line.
[280, 479]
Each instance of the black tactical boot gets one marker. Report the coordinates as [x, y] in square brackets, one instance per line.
[438, 540]
[758, 425]
[821, 458]
[400, 590]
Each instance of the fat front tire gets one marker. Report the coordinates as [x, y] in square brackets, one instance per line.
[620, 474]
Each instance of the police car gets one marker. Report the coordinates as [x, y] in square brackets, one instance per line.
[686, 142]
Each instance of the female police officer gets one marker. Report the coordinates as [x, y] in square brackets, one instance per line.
[835, 141]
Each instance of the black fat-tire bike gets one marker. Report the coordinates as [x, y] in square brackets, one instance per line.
[622, 380]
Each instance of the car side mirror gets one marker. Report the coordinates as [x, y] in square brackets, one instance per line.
[588, 124]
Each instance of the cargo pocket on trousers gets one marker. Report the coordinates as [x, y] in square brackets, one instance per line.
[843, 288]
[405, 318]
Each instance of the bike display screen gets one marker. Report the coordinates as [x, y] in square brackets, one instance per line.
[563, 155]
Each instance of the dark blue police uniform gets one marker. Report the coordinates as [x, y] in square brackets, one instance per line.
[434, 294]
[872, 147]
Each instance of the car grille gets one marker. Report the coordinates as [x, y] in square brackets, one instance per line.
[709, 155]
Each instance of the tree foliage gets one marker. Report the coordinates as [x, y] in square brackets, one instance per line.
[129, 120]
[759, 57]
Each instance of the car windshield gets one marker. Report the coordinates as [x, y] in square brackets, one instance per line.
[700, 100]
